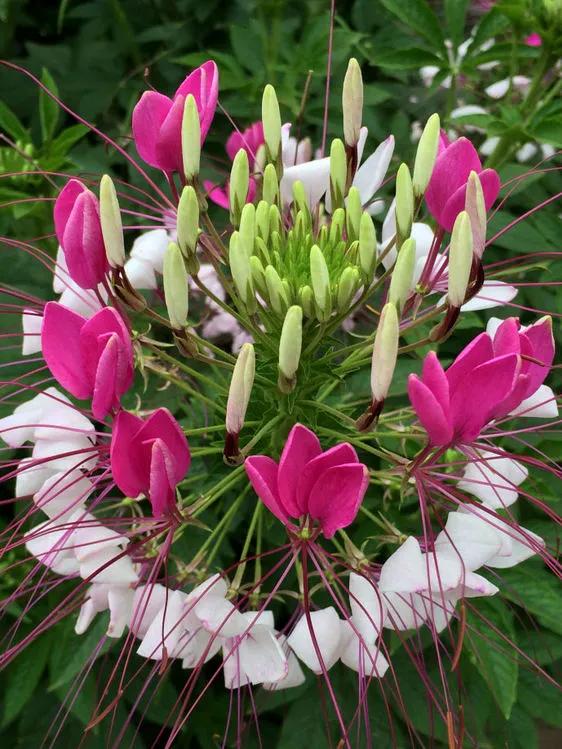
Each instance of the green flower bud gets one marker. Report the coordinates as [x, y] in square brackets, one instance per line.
[460, 259]
[385, 352]
[338, 173]
[306, 298]
[300, 199]
[111, 224]
[353, 213]
[320, 277]
[190, 139]
[270, 187]
[367, 245]
[188, 221]
[258, 275]
[352, 102]
[336, 226]
[175, 286]
[271, 118]
[262, 220]
[240, 389]
[347, 286]
[274, 220]
[276, 291]
[290, 346]
[247, 229]
[404, 202]
[426, 154]
[260, 159]
[403, 273]
[239, 183]
[241, 274]
[476, 209]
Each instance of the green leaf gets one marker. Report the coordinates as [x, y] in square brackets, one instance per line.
[11, 124]
[22, 677]
[549, 131]
[299, 730]
[531, 586]
[404, 59]
[540, 697]
[419, 17]
[48, 109]
[79, 698]
[490, 25]
[491, 653]
[73, 652]
[455, 13]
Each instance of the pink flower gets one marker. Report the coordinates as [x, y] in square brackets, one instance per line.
[533, 40]
[78, 230]
[327, 486]
[488, 380]
[446, 192]
[89, 358]
[157, 118]
[250, 141]
[149, 457]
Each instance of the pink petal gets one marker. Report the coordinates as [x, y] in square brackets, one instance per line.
[64, 204]
[105, 397]
[478, 351]
[203, 84]
[250, 140]
[456, 203]
[148, 116]
[217, 194]
[168, 140]
[129, 467]
[93, 339]
[506, 339]
[60, 337]
[542, 342]
[335, 498]
[429, 411]
[301, 447]
[162, 479]
[162, 425]
[82, 242]
[262, 472]
[311, 472]
[433, 375]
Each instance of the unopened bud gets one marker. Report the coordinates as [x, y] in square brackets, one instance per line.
[240, 270]
[258, 275]
[352, 102]
[300, 199]
[270, 186]
[175, 286]
[475, 206]
[240, 389]
[460, 260]
[188, 221]
[347, 286]
[190, 139]
[274, 220]
[320, 277]
[247, 229]
[385, 352]
[306, 299]
[276, 291]
[338, 173]
[367, 245]
[353, 213]
[404, 202]
[262, 220]
[111, 224]
[290, 346]
[426, 155]
[403, 273]
[238, 186]
[271, 118]
[336, 226]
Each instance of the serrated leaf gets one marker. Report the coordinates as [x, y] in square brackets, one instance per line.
[22, 677]
[419, 17]
[48, 109]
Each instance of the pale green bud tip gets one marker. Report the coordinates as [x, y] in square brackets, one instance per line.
[290, 344]
[271, 118]
[188, 220]
[239, 183]
[367, 244]
[320, 278]
[270, 188]
[175, 286]
[426, 154]
[240, 268]
[475, 206]
[404, 201]
[111, 224]
[347, 287]
[352, 102]
[240, 389]
[247, 228]
[190, 138]
[353, 212]
[385, 352]
[460, 259]
[338, 169]
[403, 273]
[275, 290]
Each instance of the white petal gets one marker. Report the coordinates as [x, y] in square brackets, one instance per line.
[259, 657]
[443, 570]
[489, 145]
[474, 586]
[32, 322]
[166, 628]
[471, 537]
[60, 275]
[120, 602]
[492, 294]
[107, 566]
[526, 152]
[31, 477]
[367, 606]
[498, 90]
[467, 110]
[404, 571]
[325, 625]
[363, 657]
[197, 647]
[294, 676]
[151, 247]
[492, 326]
[404, 611]
[524, 544]
[428, 73]
[91, 536]
[540, 405]
[86, 616]
[493, 479]
[49, 544]
[63, 493]
[140, 273]
[370, 175]
[315, 176]
[81, 301]
[64, 455]
[148, 600]
[19, 427]
[218, 615]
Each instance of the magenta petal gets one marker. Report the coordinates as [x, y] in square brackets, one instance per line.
[162, 483]
[82, 242]
[250, 140]
[428, 410]
[451, 172]
[478, 395]
[307, 478]
[148, 116]
[104, 396]
[129, 468]
[262, 472]
[217, 194]
[301, 447]
[93, 339]
[168, 141]
[506, 339]
[203, 84]
[336, 496]
[60, 337]
[162, 425]
[478, 351]
[542, 341]
[433, 375]
[64, 204]
[490, 181]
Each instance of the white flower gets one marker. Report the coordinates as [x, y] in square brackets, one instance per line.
[493, 478]
[318, 644]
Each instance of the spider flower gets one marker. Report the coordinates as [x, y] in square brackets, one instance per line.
[149, 457]
[327, 486]
[78, 230]
[157, 119]
[490, 378]
[89, 358]
[446, 193]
